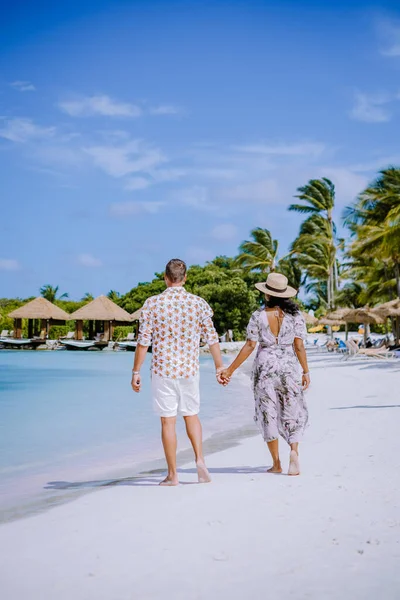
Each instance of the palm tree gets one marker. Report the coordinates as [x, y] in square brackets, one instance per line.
[259, 253]
[316, 246]
[290, 267]
[88, 297]
[374, 221]
[113, 295]
[50, 293]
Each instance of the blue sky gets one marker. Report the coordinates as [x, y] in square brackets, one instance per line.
[132, 132]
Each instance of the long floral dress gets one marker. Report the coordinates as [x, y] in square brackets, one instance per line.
[280, 407]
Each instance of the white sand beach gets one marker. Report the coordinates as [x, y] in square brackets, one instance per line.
[332, 533]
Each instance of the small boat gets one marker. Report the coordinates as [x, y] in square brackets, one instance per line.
[78, 344]
[21, 342]
[127, 345]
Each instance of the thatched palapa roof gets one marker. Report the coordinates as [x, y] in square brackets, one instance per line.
[39, 308]
[363, 315]
[101, 309]
[331, 322]
[309, 319]
[136, 315]
[388, 309]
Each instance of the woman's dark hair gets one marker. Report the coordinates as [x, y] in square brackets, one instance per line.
[285, 304]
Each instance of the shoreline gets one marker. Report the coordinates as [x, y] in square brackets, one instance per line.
[74, 490]
[71, 488]
[44, 491]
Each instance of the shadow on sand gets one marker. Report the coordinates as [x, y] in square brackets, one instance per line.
[366, 406]
[147, 480]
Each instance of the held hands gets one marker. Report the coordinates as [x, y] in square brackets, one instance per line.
[136, 382]
[223, 376]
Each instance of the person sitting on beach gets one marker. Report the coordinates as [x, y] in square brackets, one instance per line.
[173, 323]
[280, 407]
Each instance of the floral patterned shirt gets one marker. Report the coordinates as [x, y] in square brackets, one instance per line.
[173, 322]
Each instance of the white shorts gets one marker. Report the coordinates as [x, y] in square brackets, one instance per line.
[173, 396]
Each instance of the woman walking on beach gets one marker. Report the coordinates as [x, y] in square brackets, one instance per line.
[280, 407]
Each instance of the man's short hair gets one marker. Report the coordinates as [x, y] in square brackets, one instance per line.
[175, 270]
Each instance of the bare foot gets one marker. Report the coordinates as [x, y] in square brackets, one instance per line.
[275, 468]
[294, 465]
[202, 473]
[169, 481]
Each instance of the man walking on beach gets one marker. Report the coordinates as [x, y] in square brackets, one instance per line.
[173, 323]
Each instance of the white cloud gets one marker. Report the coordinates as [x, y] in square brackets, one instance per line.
[224, 232]
[313, 149]
[118, 161]
[371, 109]
[348, 184]
[199, 254]
[137, 183]
[87, 260]
[165, 109]
[126, 209]
[23, 86]
[390, 32]
[166, 175]
[99, 105]
[9, 264]
[196, 197]
[376, 164]
[23, 130]
[265, 190]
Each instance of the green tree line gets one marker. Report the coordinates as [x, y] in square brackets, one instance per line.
[331, 271]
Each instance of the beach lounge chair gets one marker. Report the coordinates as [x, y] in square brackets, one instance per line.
[70, 336]
[129, 338]
[352, 348]
[41, 336]
[376, 352]
[4, 333]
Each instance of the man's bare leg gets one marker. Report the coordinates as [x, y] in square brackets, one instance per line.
[273, 447]
[168, 436]
[195, 435]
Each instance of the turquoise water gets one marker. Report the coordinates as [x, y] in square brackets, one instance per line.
[72, 416]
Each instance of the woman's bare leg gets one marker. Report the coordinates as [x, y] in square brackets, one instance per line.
[294, 465]
[273, 447]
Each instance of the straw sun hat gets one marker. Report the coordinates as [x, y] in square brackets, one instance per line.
[276, 285]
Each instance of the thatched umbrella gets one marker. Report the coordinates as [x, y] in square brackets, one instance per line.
[337, 318]
[390, 309]
[363, 315]
[100, 309]
[331, 322]
[39, 308]
[309, 319]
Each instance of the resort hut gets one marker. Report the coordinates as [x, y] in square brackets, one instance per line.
[103, 310]
[135, 317]
[37, 310]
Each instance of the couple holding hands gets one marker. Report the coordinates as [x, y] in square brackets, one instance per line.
[173, 323]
